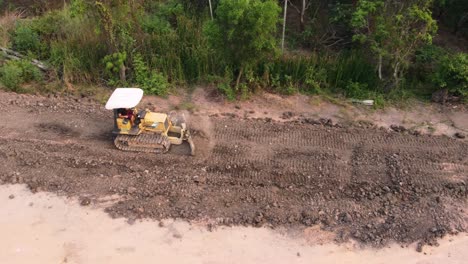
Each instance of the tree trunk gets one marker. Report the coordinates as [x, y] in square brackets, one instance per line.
[13, 55]
[396, 73]
[303, 9]
[284, 24]
[211, 9]
[239, 77]
[122, 74]
[380, 67]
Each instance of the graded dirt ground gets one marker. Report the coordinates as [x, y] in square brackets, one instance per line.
[360, 182]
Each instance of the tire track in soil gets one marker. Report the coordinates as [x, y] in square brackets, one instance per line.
[367, 184]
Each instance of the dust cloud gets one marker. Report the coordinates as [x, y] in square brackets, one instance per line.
[202, 131]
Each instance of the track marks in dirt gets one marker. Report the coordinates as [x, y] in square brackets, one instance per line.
[304, 154]
[57, 128]
[368, 184]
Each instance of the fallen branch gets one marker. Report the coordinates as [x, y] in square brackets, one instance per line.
[13, 55]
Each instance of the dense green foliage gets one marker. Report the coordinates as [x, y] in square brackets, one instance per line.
[453, 74]
[151, 81]
[14, 73]
[363, 49]
[393, 30]
[25, 39]
[442, 69]
[243, 32]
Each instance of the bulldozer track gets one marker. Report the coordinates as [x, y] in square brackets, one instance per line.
[152, 143]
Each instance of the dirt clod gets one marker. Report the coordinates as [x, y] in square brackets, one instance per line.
[460, 135]
[419, 247]
[131, 190]
[287, 115]
[85, 201]
[11, 196]
[397, 128]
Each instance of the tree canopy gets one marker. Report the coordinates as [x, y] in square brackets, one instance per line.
[356, 48]
[244, 31]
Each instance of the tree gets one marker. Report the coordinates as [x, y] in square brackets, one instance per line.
[393, 30]
[305, 4]
[115, 21]
[244, 31]
[285, 12]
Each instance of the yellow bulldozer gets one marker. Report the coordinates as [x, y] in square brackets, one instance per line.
[144, 130]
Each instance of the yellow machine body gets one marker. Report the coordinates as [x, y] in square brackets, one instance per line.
[147, 122]
[146, 131]
[123, 125]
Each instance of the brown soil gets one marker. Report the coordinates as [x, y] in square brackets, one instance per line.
[360, 182]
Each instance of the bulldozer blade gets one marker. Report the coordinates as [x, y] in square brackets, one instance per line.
[192, 145]
[176, 118]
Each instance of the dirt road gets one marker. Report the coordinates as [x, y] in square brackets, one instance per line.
[361, 183]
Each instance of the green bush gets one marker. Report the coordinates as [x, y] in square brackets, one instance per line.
[361, 91]
[320, 72]
[50, 27]
[243, 32]
[351, 66]
[113, 64]
[151, 81]
[438, 69]
[14, 73]
[224, 85]
[10, 76]
[181, 53]
[77, 53]
[452, 74]
[226, 89]
[356, 90]
[289, 70]
[316, 79]
[26, 40]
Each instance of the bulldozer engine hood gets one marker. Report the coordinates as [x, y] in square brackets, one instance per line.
[154, 118]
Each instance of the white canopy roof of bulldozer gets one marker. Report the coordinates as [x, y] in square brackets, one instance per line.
[124, 98]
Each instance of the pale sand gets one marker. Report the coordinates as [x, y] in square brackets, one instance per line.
[43, 228]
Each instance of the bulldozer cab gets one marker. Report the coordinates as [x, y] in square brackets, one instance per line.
[122, 102]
